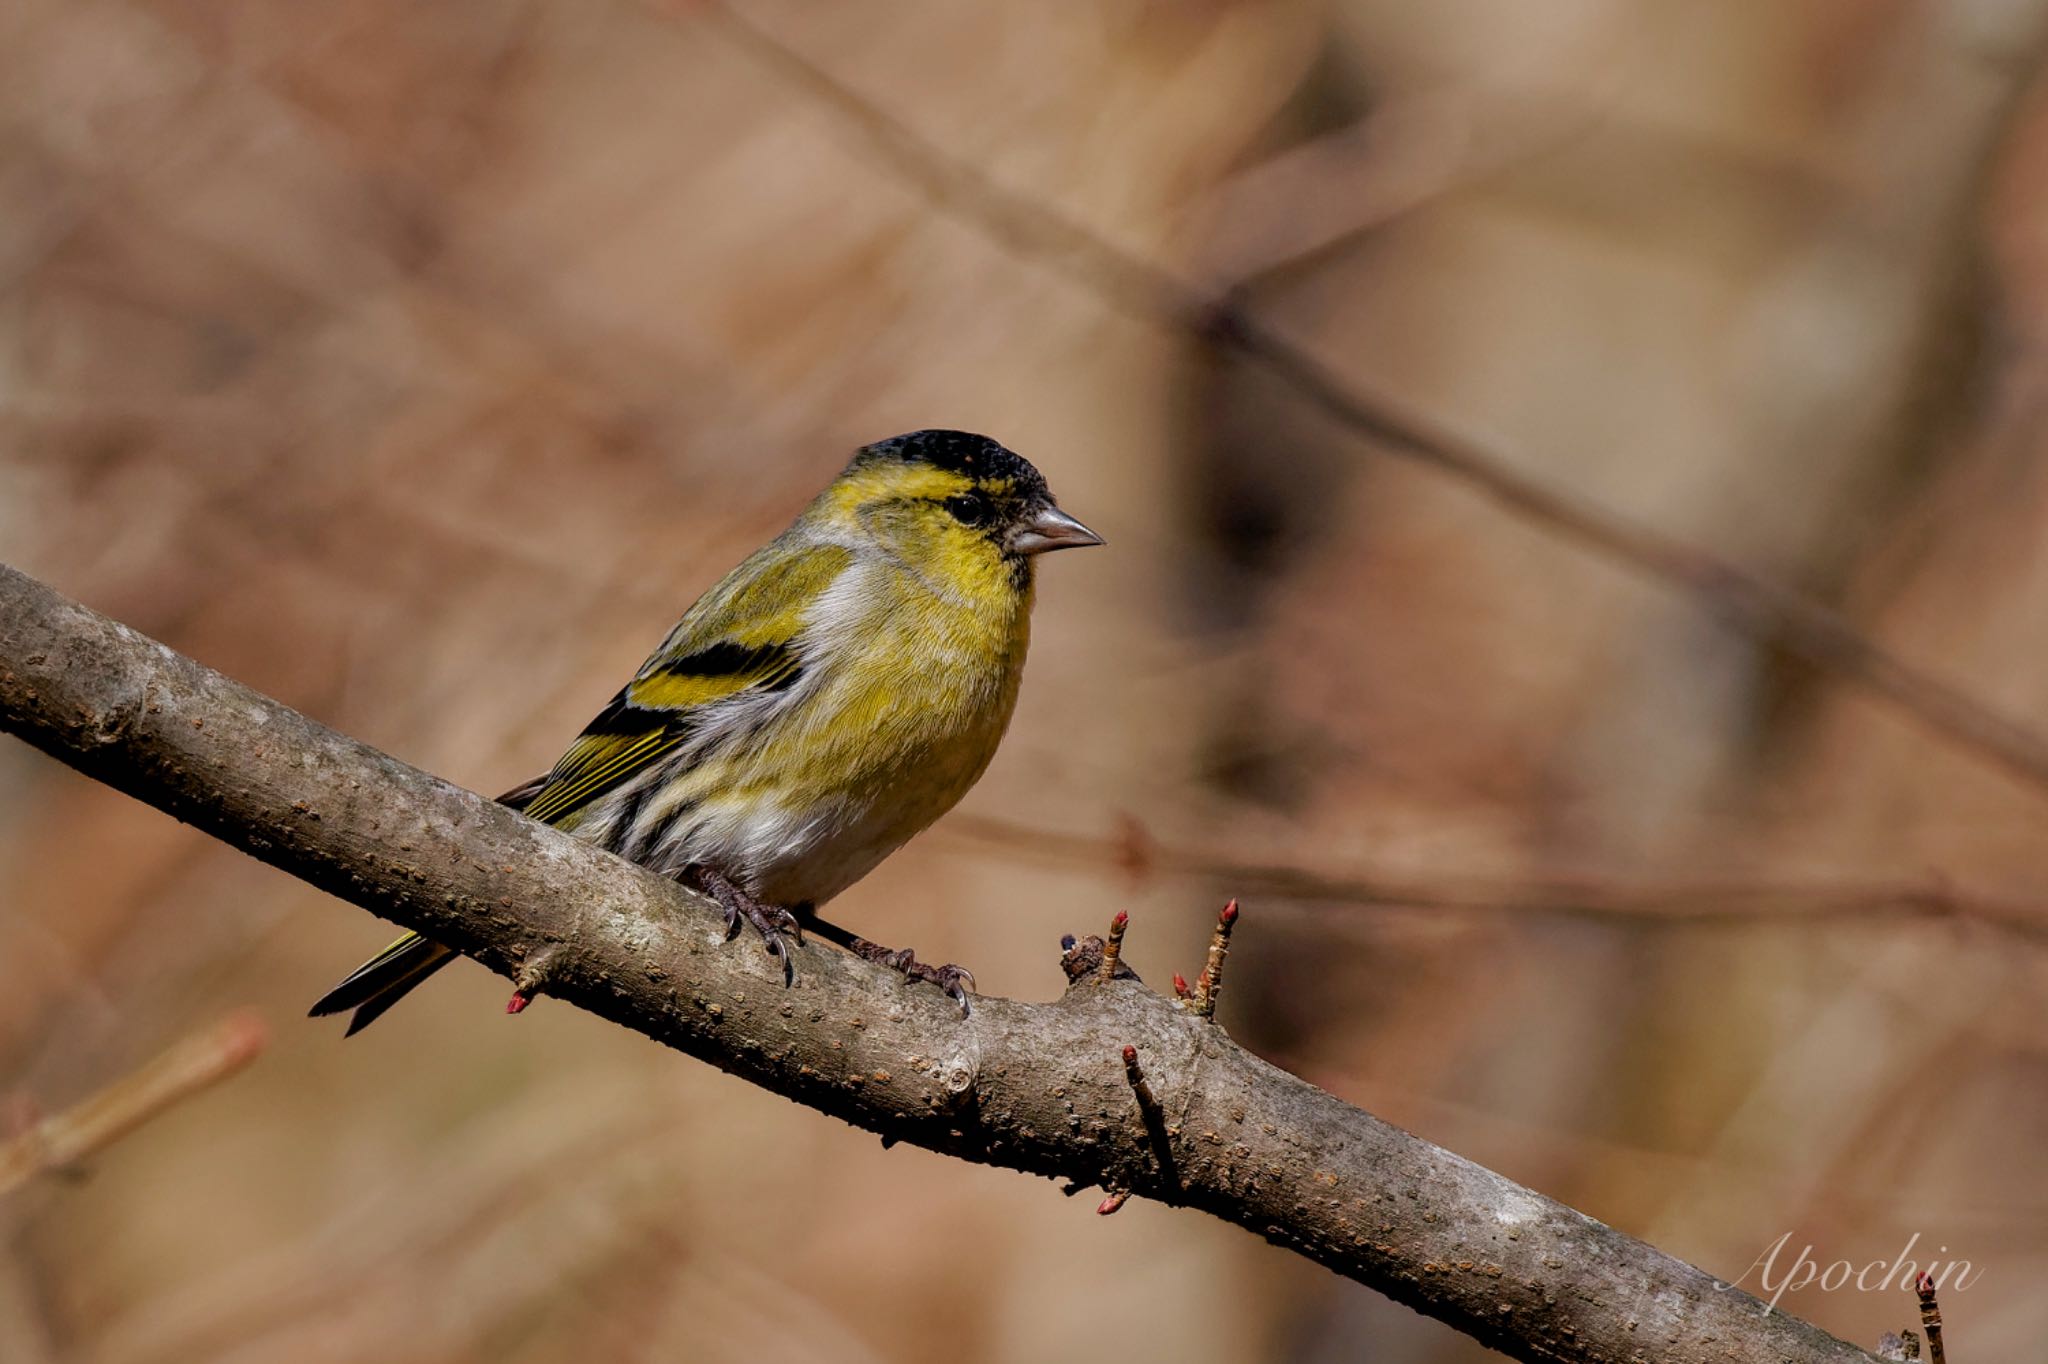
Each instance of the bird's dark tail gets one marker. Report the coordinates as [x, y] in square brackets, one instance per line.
[383, 980]
[395, 972]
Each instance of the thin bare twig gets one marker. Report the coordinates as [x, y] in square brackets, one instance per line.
[1033, 1087]
[1209, 984]
[1930, 1317]
[1158, 1128]
[195, 1063]
[1777, 616]
[1113, 947]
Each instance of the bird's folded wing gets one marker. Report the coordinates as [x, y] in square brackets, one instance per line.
[740, 638]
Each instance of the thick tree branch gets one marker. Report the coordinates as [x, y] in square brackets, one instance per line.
[1043, 1088]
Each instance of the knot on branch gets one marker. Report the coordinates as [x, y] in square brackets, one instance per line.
[114, 721]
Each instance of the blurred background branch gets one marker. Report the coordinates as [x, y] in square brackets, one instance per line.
[62, 1142]
[1748, 601]
[1132, 852]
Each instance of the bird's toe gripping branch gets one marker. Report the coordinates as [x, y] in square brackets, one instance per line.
[956, 981]
[777, 926]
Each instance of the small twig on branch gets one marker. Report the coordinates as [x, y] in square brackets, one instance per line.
[64, 1140]
[1157, 1128]
[531, 979]
[1132, 1072]
[1209, 984]
[1777, 616]
[1113, 948]
[1930, 1318]
[1033, 1087]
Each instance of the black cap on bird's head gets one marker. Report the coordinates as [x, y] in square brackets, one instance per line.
[958, 452]
[999, 490]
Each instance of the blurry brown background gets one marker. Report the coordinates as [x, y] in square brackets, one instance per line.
[417, 364]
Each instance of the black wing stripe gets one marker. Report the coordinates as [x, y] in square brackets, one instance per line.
[727, 658]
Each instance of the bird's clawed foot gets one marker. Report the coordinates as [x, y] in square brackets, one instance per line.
[778, 927]
[956, 981]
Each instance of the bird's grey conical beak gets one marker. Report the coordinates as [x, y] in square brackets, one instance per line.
[1051, 528]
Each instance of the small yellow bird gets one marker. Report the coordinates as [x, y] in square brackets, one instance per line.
[826, 701]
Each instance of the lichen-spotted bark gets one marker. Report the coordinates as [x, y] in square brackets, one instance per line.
[1036, 1087]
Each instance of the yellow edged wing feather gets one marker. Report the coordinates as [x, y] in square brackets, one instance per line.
[740, 637]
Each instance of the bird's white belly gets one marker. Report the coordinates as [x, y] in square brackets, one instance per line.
[789, 857]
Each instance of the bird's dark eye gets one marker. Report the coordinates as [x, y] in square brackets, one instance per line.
[972, 510]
